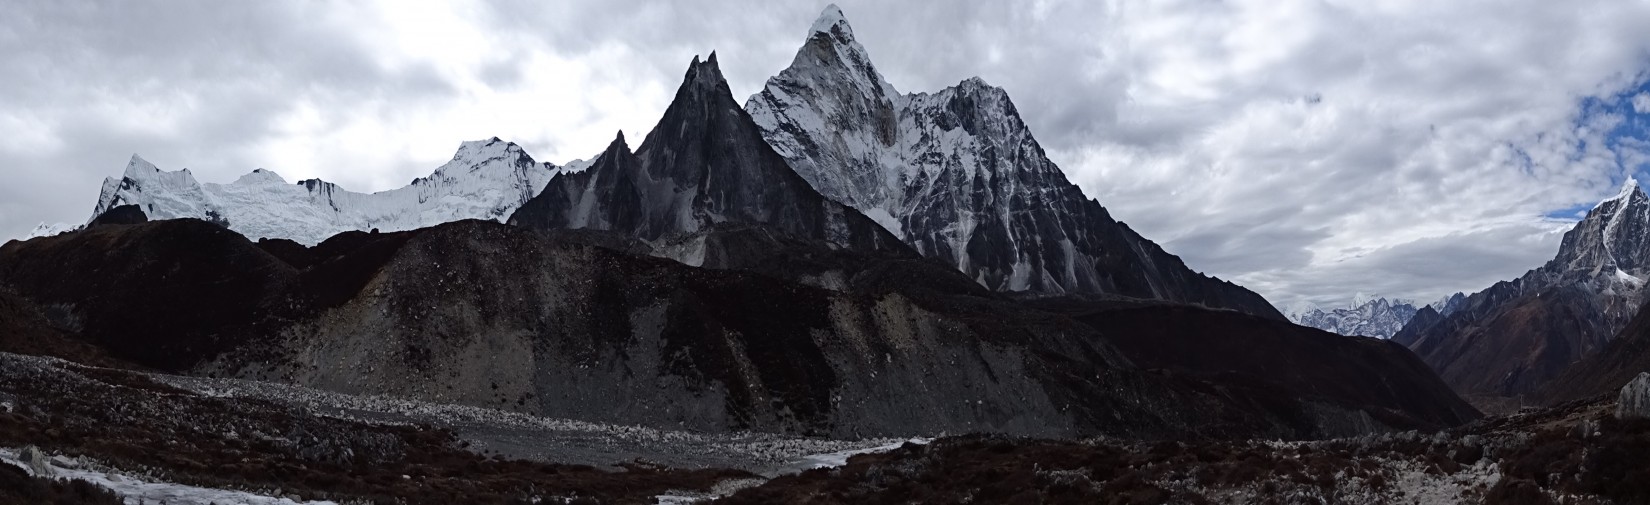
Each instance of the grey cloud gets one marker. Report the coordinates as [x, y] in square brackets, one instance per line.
[218, 73]
[1423, 269]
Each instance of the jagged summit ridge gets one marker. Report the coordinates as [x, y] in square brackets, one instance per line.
[959, 177]
[485, 179]
[705, 164]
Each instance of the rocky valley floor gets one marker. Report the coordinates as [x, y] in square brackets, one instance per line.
[77, 434]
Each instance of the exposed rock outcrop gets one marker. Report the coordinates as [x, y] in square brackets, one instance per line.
[1634, 401]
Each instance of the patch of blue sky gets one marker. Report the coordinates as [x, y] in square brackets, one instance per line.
[1625, 116]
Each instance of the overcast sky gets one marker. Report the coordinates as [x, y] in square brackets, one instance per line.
[1305, 149]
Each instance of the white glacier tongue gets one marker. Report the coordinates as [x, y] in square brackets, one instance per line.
[486, 179]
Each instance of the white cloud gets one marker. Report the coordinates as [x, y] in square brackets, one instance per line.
[1309, 149]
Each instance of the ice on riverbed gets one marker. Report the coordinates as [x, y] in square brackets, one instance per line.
[840, 458]
[133, 490]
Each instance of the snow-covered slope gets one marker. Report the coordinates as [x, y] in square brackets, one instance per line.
[486, 179]
[958, 176]
[1368, 316]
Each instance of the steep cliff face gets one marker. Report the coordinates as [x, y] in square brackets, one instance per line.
[1514, 337]
[1606, 371]
[704, 164]
[958, 176]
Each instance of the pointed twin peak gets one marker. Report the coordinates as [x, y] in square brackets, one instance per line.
[707, 70]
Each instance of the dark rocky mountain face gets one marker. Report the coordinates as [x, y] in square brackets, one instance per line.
[1606, 371]
[1424, 319]
[121, 214]
[958, 176]
[1511, 339]
[704, 164]
[812, 339]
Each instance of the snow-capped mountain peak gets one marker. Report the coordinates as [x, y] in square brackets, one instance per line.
[1628, 188]
[472, 154]
[832, 19]
[1299, 308]
[156, 191]
[260, 176]
[958, 176]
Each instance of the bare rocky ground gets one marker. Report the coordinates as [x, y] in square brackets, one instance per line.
[1578, 453]
[254, 442]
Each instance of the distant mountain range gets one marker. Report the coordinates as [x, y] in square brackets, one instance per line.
[1369, 316]
[486, 179]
